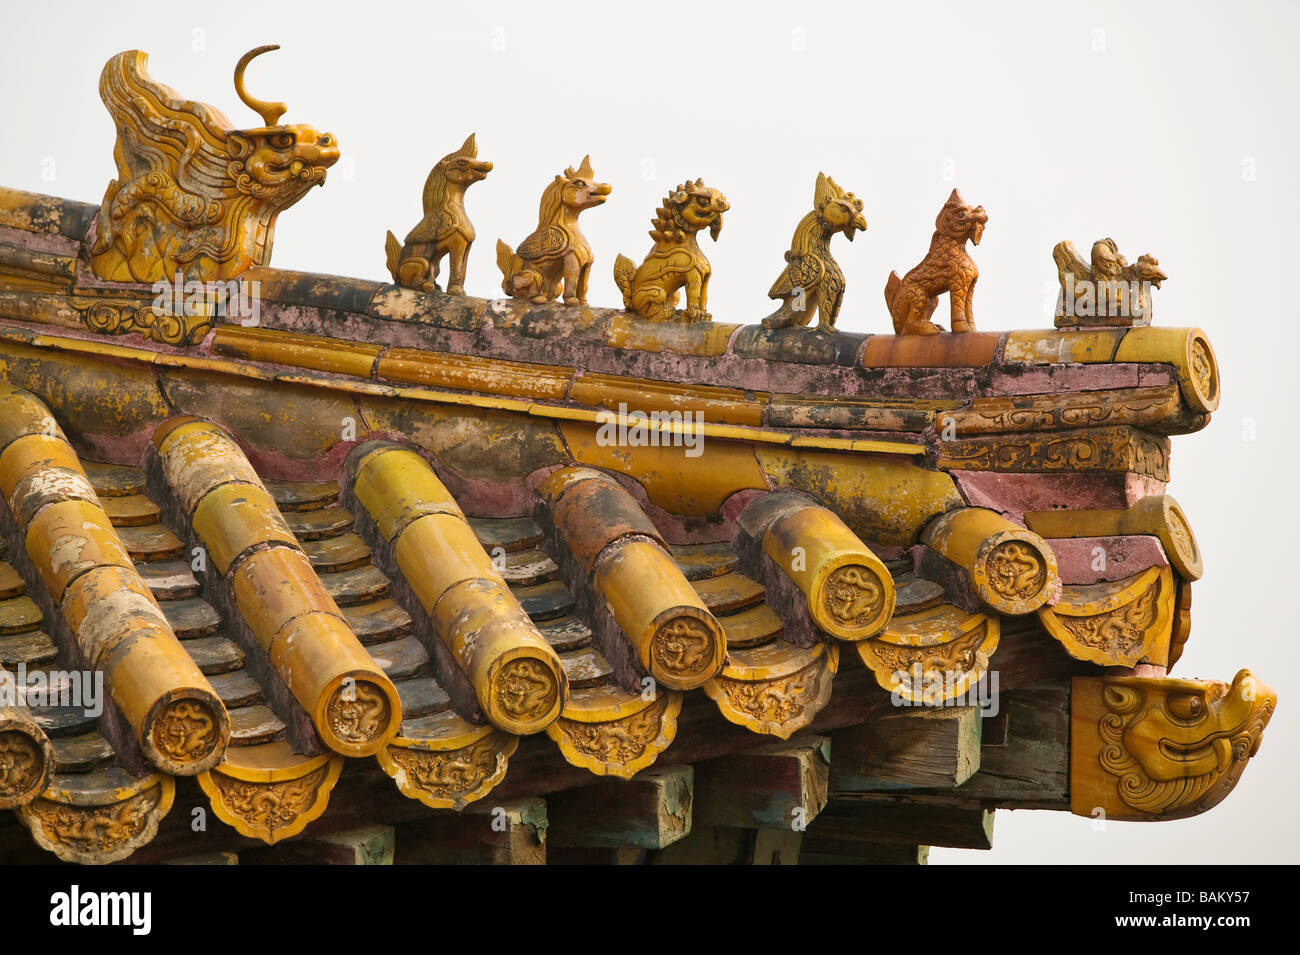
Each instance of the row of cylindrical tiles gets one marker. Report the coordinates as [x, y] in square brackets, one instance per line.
[517, 676]
[180, 722]
[352, 704]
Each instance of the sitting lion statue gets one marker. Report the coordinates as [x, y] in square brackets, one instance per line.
[946, 268]
[675, 260]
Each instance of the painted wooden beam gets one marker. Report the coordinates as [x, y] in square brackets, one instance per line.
[649, 811]
[911, 748]
[707, 845]
[207, 858]
[781, 787]
[777, 847]
[830, 852]
[902, 820]
[506, 833]
[372, 845]
[1025, 751]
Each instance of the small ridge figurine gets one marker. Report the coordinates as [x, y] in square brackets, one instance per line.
[946, 268]
[1110, 291]
[812, 280]
[675, 260]
[556, 256]
[445, 228]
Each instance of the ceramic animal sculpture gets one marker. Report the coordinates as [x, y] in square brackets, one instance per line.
[192, 195]
[946, 268]
[555, 257]
[1108, 287]
[812, 281]
[445, 228]
[675, 260]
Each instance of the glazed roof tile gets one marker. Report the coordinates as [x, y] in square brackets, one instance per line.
[418, 547]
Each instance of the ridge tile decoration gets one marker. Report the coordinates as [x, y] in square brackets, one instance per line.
[1147, 749]
[194, 197]
[947, 267]
[505, 546]
[1107, 292]
[268, 792]
[675, 261]
[445, 229]
[555, 258]
[812, 281]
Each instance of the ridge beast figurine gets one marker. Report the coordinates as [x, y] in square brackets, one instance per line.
[812, 281]
[675, 260]
[946, 268]
[445, 229]
[1107, 292]
[555, 256]
[192, 195]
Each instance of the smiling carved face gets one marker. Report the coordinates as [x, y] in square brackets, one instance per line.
[701, 208]
[1162, 748]
[282, 162]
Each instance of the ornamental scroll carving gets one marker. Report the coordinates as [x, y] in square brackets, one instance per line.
[186, 731]
[1145, 749]
[525, 689]
[122, 317]
[1092, 449]
[268, 808]
[853, 595]
[683, 647]
[455, 777]
[359, 713]
[1128, 406]
[98, 834]
[620, 745]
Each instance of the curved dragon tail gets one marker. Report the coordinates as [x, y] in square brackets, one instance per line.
[508, 263]
[624, 272]
[392, 252]
[891, 290]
